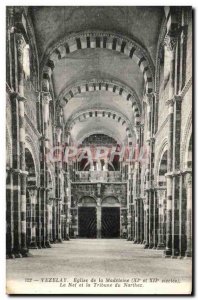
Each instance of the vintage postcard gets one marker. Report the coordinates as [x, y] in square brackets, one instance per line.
[99, 150]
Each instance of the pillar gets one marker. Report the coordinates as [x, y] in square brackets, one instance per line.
[132, 221]
[146, 220]
[176, 175]
[169, 182]
[141, 220]
[38, 219]
[129, 205]
[136, 237]
[33, 201]
[49, 219]
[59, 207]
[98, 218]
[155, 221]
[149, 214]
[46, 98]
[20, 44]
[54, 216]
[161, 196]
[9, 215]
[188, 179]
[170, 43]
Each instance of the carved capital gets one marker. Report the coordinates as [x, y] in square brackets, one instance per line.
[171, 37]
[170, 42]
[148, 98]
[46, 97]
[32, 191]
[20, 42]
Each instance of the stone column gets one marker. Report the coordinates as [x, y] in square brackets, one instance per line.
[38, 220]
[151, 219]
[68, 204]
[136, 201]
[49, 219]
[59, 184]
[33, 201]
[182, 215]
[176, 177]
[133, 221]
[144, 208]
[149, 178]
[141, 221]
[59, 220]
[54, 216]
[46, 98]
[169, 181]
[170, 43]
[155, 221]
[20, 44]
[9, 215]
[136, 221]
[98, 216]
[147, 217]
[161, 196]
[129, 190]
[188, 179]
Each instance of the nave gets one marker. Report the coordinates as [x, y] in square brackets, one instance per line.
[93, 258]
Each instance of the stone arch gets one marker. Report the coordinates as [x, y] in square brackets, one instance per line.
[87, 200]
[104, 113]
[159, 156]
[110, 200]
[101, 40]
[88, 165]
[162, 168]
[31, 148]
[102, 85]
[99, 131]
[30, 168]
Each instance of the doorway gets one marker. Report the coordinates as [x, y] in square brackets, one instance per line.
[87, 222]
[110, 222]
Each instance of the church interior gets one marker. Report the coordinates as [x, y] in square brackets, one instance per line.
[99, 127]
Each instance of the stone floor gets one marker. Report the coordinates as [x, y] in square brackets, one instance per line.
[94, 266]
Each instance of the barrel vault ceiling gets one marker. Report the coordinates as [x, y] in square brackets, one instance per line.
[52, 24]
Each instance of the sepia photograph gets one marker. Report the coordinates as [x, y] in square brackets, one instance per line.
[99, 144]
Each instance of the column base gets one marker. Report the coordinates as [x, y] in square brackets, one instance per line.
[167, 253]
[25, 252]
[146, 246]
[160, 247]
[47, 244]
[33, 245]
[188, 254]
[55, 241]
[18, 255]
[60, 241]
[175, 253]
[151, 246]
[175, 256]
[10, 256]
[43, 245]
